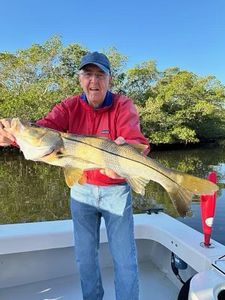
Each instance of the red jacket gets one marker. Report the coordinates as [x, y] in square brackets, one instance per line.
[118, 118]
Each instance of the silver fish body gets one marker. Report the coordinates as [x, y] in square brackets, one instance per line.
[76, 153]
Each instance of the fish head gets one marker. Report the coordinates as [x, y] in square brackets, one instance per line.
[34, 141]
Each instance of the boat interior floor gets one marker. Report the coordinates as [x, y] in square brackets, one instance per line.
[153, 285]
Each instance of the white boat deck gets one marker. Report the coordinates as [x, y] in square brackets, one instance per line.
[37, 261]
[153, 284]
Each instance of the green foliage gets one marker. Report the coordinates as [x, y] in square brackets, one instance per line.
[183, 108]
[118, 63]
[70, 60]
[139, 79]
[175, 106]
[34, 79]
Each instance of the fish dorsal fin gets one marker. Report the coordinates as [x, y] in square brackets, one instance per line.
[73, 176]
[138, 184]
[139, 147]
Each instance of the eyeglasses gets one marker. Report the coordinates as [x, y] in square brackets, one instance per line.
[89, 75]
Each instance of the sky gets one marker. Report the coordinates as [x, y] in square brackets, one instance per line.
[189, 34]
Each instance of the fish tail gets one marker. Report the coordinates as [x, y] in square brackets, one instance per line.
[196, 185]
[193, 184]
[179, 195]
[181, 188]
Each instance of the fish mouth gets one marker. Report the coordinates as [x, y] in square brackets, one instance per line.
[44, 156]
[49, 153]
[58, 153]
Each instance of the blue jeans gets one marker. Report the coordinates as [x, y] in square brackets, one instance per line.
[120, 232]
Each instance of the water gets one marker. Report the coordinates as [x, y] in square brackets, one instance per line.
[32, 191]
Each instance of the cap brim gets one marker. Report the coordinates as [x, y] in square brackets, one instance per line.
[103, 68]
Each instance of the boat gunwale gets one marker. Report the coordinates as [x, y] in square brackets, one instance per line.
[182, 239]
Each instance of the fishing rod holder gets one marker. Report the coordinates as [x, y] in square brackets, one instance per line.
[210, 246]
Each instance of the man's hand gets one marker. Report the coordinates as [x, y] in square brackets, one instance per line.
[120, 140]
[109, 172]
[6, 139]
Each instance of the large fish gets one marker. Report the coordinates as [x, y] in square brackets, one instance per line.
[76, 153]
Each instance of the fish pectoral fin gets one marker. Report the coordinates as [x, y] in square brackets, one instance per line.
[139, 147]
[138, 184]
[73, 176]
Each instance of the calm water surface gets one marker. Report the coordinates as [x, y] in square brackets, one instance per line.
[32, 191]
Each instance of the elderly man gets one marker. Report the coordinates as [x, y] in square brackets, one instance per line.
[97, 111]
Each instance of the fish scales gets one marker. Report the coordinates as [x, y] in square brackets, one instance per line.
[76, 153]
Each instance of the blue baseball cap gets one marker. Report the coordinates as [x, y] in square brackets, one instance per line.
[98, 59]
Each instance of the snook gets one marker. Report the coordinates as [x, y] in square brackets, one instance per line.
[76, 153]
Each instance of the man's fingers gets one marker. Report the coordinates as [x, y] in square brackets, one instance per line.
[110, 173]
[6, 135]
[6, 138]
[5, 123]
[120, 140]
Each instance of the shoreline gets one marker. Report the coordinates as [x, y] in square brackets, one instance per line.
[154, 147]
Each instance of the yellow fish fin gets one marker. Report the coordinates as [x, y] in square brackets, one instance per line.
[138, 184]
[181, 199]
[196, 185]
[73, 176]
[139, 147]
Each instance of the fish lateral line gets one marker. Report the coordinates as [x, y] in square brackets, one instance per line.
[121, 156]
